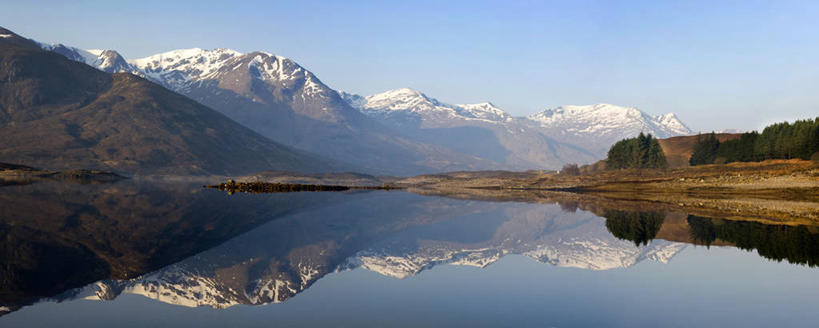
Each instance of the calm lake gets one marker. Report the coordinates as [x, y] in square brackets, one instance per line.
[134, 254]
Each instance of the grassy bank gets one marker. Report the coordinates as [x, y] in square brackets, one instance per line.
[770, 191]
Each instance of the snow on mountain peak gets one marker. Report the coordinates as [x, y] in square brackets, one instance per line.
[672, 122]
[609, 120]
[177, 69]
[108, 61]
[401, 99]
[415, 102]
[272, 67]
[72, 53]
[189, 64]
[487, 111]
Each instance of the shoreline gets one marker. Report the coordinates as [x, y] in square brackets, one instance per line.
[774, 191]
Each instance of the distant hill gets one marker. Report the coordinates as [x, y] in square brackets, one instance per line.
[59, 114]
[679, 149]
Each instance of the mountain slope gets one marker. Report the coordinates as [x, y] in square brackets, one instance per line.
[283, 101]
[545, 140]
[56, 113]
[400, 132]
[482, 130]
[108, 61]
[406, 106]
[598, 126]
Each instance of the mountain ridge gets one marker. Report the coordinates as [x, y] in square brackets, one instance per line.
[285, 102]
[401, 131]
[550, 138]
[59, 114]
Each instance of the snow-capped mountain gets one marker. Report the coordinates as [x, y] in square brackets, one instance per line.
[108, 61]
[285, 102]
[596, 120]
[605, 124]
[412, 105]
[485, 111]
[401, 131]
[547, 139]
[482, 130]
[260, 77]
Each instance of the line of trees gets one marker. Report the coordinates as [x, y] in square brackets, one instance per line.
[777, 141]
[641, 152]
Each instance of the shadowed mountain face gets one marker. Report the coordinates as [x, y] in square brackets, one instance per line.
[56, 113]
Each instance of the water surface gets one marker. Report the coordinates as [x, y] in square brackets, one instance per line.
[138, 254]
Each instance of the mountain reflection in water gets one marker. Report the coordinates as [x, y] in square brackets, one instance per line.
[188, 246]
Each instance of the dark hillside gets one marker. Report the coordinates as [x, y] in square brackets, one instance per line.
[60, 114]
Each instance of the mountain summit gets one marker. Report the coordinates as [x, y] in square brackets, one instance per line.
[412, 104]
[60, 114]
[401, 131]
[603, 119]
[285, 102]
[547, 139]
[598, 126]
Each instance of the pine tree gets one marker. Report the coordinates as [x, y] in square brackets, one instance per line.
[644, 151]
[705, 150]
[777, 141]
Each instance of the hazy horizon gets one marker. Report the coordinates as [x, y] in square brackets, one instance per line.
[736, 65]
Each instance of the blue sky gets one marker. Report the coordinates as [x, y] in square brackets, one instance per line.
[717, 64]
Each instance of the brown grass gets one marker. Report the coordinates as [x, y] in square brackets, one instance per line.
[770, 191]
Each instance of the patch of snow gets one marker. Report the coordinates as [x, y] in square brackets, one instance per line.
[606, 120]
[409, 101]
[486, 111]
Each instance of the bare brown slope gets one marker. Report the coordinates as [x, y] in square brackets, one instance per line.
[59, 114]
[679, 149]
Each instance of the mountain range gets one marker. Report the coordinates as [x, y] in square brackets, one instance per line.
[284, 102]
[60, 114]
[548, 139]
[400, 132]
